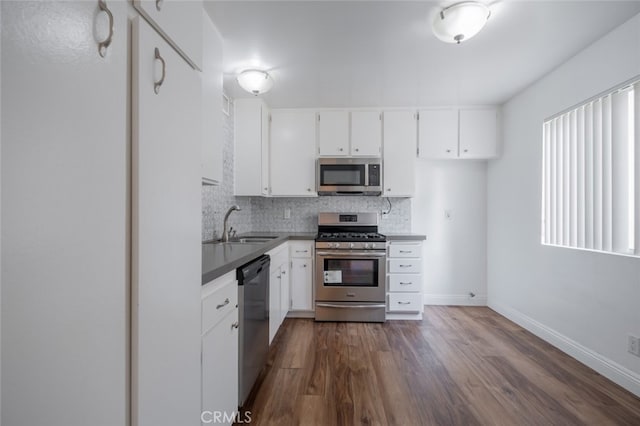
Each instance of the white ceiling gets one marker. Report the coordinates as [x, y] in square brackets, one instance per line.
[383, 53]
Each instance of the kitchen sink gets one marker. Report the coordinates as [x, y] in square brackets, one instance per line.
[245, 240]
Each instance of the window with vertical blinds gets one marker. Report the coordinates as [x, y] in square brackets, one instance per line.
[591, 174]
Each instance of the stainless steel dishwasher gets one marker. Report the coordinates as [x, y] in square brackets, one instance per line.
[253, 336]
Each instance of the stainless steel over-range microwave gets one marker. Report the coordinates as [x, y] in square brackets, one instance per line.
[349, 176]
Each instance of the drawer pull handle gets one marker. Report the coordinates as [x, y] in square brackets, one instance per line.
[235, 325]
[226, 302]
[406, 251]
[404, 303]
[302, 251]
[409, 283]
[405, 266]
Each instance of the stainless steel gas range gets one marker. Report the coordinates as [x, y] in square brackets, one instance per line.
[350, 268]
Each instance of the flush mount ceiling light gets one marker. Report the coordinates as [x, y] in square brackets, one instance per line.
[461, 21]
[255, 82]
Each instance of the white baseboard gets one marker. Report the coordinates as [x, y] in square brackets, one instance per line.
[455, 299]
[608, 368]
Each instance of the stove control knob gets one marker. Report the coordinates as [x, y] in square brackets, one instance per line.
[367, 245]
[352, 245]
[336, 245]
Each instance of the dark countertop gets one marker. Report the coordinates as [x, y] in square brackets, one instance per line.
[218, 259]
[406, 237]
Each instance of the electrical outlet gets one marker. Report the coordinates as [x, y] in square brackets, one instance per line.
[633, 345]
[287, 213]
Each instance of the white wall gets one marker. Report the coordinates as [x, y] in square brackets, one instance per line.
[455, 249]
[585, 303]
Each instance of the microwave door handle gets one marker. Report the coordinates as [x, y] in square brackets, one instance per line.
[366, 175]
[350, 253]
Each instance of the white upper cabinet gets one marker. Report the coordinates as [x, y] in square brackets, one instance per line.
[293, 153]
[212, 135]
[478, 133]
[366, 133]
[333, 133]
[469, 133]
[438, 130]
[166, 239]
[356, 133]
[179, 22]
[400, 143]
[251, 147]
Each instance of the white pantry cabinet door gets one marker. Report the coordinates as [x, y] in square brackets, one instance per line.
[333, 133]
[400, 144]
[212, 135]
[65, 214]
[166, 248]
[293, 153]
[179, 22]
[274, 301]
[366, 133]
[478, 133]
[438, 133]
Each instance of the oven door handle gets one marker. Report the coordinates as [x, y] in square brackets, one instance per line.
[351, 253]
[369, 306]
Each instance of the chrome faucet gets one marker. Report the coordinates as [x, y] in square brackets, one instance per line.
[225, 230]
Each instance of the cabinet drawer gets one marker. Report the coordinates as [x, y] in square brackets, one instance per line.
[406, 266]
[218, 302]
[404, 302]
[301, 249]
[405, 283]
[405, 250]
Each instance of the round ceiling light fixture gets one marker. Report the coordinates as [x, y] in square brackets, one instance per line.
[255, 81]
[460, 21]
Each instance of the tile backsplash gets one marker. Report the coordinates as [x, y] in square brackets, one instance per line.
[262, 214]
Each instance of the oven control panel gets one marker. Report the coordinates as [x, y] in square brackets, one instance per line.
[351, 246]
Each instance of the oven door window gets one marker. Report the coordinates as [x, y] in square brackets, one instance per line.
[342, 175]
[351, 272]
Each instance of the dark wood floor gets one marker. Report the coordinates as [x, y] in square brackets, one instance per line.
[459, 366]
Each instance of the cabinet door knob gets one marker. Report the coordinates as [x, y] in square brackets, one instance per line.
[448, 150]
[235, 325]
[388, 189]
[102, 46]
[466, 150]
[284, 272]
[304, 266]
[159, 4]
[356, 150]
[266, 189]
[340, 149]
[222, 305]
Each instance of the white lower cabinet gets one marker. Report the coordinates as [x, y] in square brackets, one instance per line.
[220, 350]
[278, 288]
[301, 277]
[404, 280]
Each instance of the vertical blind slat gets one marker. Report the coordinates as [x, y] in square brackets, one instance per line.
[597, 174]
[573, 179]
[553, 163]
[636, 169]
[580, 179]
[607, 176]
[588, 211]
[559, 184]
